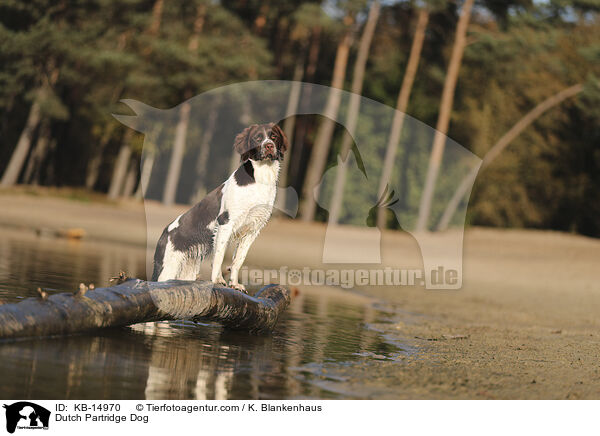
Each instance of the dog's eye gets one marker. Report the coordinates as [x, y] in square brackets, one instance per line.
[273, 135]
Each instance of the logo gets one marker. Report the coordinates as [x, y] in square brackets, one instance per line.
[26, 415]
[379, 180]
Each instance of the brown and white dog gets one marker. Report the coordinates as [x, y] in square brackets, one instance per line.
[235, 212]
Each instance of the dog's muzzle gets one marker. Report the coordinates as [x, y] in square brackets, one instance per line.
[269, 150]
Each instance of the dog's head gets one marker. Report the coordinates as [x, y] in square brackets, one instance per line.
[261, 142]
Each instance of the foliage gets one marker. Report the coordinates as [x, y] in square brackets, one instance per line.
[89, 54]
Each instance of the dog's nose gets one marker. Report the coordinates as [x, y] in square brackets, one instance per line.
[270, 147]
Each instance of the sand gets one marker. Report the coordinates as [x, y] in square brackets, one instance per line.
[526, 323]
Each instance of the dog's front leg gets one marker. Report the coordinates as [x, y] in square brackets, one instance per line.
[238, 259]
[221, 239]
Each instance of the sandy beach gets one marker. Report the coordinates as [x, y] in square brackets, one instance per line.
[524, 325]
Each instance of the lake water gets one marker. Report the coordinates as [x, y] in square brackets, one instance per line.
[175, 360]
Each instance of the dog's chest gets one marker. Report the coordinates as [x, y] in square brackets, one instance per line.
[250, 206]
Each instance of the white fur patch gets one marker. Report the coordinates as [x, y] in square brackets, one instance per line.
[266, 172]
[177, 264]
[174, 224]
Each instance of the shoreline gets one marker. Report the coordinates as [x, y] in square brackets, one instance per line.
[524, 325]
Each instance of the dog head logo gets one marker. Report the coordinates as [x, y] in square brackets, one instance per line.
[26, 415]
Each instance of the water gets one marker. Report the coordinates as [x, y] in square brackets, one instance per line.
[174, 360]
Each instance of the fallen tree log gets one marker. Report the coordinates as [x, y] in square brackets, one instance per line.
[136, 301]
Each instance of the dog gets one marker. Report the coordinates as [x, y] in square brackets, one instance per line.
[235, 212]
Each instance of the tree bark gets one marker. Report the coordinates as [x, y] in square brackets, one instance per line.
[95, 161]
[157, 9]
[120, 168]
[401, 107]
[17, 159]
[311, 68]
[439, 140]
[353, 110]
[507, 138]
[174, 172]
[97, 153]
[288, 128]
[32, 171]
[169, 195]
[130, 179]
[145, 175]
[93, 168]
[136, 301]
[15, 165]
[204, 153]
[320, 150]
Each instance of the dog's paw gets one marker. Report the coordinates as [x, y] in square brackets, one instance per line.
[220, 281]
[237, 286]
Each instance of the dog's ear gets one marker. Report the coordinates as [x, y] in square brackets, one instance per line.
[283, 143]
[241, 144]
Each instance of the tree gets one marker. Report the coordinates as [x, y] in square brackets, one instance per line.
[124, 155]
[184, 119]
[97, 154]
[200, 188]
[320, 150]
[439, 140]
[87, 310]
[312, 18]
[32, 170]
[353, 110]
[41, 97]
[11, 174]
[120, 166]
[309, 20]
[401, 108]
[467, 182]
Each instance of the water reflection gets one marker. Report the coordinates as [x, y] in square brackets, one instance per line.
[177, 360]
[28, 262]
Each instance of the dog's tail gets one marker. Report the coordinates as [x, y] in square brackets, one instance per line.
[159, 254]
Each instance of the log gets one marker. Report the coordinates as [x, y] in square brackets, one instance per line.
[136, 301]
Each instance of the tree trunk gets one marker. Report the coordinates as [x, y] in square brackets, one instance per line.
[50, 169]
[13, 169]
[145, 175]
[320, 150]
[120, 168]
[522, 124]
[311, 68]
[130, 179]
[439, 140]
[15, 165]
[204, 153]
[353, 110]
[401, 107]
[156, 17]
[170, 193]
[95, 161]
[288, 128]
[93, 168]
[32, 171]
[280, 46]
[136, 301]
